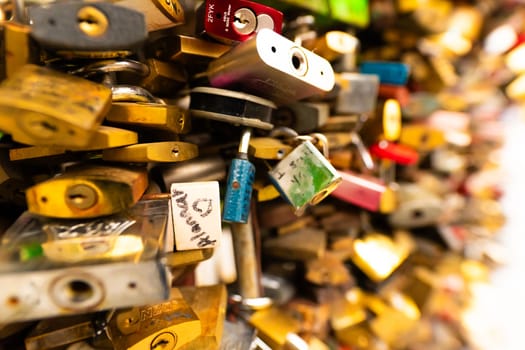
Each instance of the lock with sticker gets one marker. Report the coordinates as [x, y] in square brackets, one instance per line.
[305, 177]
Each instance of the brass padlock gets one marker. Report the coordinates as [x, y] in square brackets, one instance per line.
[150, 115]
[152, 152]
[87, 191]
[169, 325]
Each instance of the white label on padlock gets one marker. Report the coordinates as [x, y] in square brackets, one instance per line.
[196, 214]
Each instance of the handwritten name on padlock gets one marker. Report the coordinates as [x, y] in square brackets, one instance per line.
[196, 214]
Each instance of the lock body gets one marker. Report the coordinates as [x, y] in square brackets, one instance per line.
[87, 192]
[238, 191]
[51, 108]
[304, 176]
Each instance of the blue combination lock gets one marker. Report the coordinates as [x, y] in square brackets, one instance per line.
[239, 186]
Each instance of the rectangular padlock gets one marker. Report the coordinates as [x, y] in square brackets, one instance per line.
[51, 108]
[358, 93]
[333, 44]
[233, 21]
[58, 267]
[304, 177]
[87, 191]
[366, 192]
[168, 151]
[158, 14]
[196, 211]
[94, 30]
[395, 73]
[303, 245]
[378, 255]
[150, 115]
[239, 184]
[273, 67]
[303, 117]
[138, 233]
[168, 324]
[277, 329]
[186, 50]
[56, 332]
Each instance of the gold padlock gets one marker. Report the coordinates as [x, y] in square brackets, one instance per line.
[304, 244]
[209, 303]
[164, 78]
[268, 148]
[152, 152]
[39, 106]
[422, 137]
[18, 49]
[275, 328]
[150, 115]
[87, 191]
[168, 325]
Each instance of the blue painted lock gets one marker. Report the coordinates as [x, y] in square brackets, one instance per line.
[395, 73]
[239, 185]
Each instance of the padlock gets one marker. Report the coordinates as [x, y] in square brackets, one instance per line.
[170, 324]
[416, 207]
[397, 153]
[239, 184]
[52, 108]
[195, 208]
[186, 50]
[100, 30]
[209, 304]
[305, 177]
[421, 137]
[236, 20]
[327, 270]
[304, 244]
[56, 332]
[303, 117]
[203, 168]
[277, 329]
[231, 107]
[313, 316]
[268, 148]
[150, 115]
[358, 93]
[397, 92]
[158, 14]
[366, 191]
[174, 151]
[164, 78]
[394, 73]
[333, 44]
[273, 67]
[370, 254]
[76, 289]
[87, 192]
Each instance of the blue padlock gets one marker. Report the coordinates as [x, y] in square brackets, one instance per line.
[395, 73]
[239, 186]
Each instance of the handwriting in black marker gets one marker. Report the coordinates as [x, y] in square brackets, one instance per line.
[207, 211]
[205, 241]
[181, 199]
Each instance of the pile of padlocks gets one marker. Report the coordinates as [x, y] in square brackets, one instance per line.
[230, 174]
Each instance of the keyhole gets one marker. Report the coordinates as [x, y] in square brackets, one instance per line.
[92, 21]
[81, 196]
[164, 341]
[42, 128]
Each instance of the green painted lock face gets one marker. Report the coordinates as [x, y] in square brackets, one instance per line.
[304, 177]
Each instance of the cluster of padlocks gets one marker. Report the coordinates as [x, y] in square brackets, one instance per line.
[232, 174]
